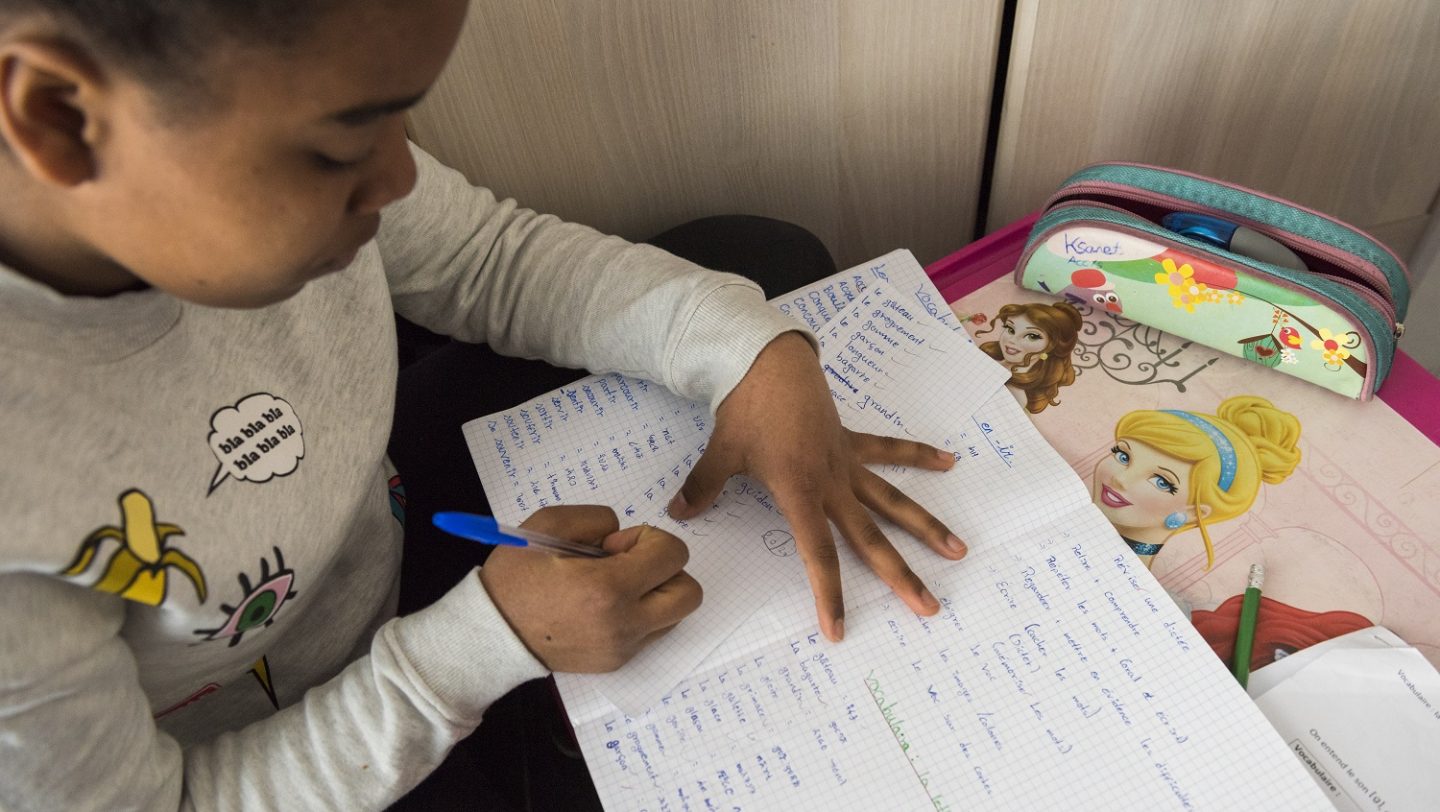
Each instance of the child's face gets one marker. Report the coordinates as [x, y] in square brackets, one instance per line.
[242, 206]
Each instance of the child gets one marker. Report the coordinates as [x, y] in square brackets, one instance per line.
[198, 573]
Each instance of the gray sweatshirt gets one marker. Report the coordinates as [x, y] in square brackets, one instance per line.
[199, 562]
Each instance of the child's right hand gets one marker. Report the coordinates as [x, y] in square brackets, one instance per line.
[591, 614]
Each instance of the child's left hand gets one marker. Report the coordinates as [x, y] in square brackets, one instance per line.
[779, 425]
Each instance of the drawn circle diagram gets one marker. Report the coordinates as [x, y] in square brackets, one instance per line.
[779, 543]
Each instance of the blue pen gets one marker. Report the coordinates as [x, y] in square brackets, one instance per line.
[1222, 233]
[486, 530]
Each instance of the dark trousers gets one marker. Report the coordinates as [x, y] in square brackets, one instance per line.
[522, 757]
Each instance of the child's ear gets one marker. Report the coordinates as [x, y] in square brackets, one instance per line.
[49, 118]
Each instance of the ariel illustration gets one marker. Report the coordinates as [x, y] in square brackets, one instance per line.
[1170, 470]
[1282, 629]
[1035, 343]
[1316, 588]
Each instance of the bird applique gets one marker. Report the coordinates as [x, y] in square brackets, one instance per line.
[1290, 337]
[1090, 286]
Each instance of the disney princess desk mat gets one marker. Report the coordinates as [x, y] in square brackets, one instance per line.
[1337, 498]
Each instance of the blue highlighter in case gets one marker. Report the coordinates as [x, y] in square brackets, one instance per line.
[1232, 237]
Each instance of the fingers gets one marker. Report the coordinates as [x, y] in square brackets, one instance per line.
[655, 635]
[586, 523]
[593, 614]
[872, 449]
[647, 558]
[876, 493]
[803, 507]
[703, 486]
[879, 554]
[669, 603]
[622, 540]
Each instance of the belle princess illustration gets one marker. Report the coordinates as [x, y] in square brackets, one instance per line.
[1035, 343]
[1171, 470]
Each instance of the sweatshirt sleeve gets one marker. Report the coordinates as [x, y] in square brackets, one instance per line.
[76, 731]
[462, 263]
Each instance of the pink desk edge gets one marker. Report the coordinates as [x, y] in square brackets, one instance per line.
[1409, 390]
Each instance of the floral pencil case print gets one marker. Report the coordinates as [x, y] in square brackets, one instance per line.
[1225, 266]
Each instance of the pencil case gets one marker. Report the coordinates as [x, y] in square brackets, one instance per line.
[1102, 243]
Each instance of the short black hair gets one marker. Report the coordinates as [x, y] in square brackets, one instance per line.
[162, 42]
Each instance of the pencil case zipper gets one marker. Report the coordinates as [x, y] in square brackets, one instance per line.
[1313, 235]
[1347, 297]
[1367, 281]
[1366, 290]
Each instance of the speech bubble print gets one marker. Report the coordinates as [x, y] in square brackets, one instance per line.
[1086, 246]
[256, 439]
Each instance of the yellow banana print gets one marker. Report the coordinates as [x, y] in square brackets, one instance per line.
[137, 569]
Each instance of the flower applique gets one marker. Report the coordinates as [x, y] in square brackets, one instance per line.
[1330, 347]
[1185, 292]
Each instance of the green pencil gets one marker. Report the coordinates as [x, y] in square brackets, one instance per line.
[1249, 613]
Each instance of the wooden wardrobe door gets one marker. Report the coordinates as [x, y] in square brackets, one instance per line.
[1334, 104]
[862, 120]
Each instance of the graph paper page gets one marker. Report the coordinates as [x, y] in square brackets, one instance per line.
[1057, 675]
[603, 438]
[1000, 460]
[817, 304]
[630, 444]
[742, 549]
[893, 370]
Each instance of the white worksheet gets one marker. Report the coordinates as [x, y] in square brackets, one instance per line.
[1363, 717]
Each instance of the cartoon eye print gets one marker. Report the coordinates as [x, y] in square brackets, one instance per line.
[259, 604]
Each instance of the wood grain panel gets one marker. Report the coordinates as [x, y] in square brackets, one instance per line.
[1422, 328]
[862, 120]
[1332, 103]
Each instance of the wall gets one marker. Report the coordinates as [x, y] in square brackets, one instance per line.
[1330, 103]
[862, 120]
[865, 120]
[1422, 331]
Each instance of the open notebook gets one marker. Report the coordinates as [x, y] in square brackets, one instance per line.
[1058, 674]
[629, 444]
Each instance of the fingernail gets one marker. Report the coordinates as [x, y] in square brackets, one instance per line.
[927, 598]
[839, 627]
[945, 455]
[677, 505]
[955, 545]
